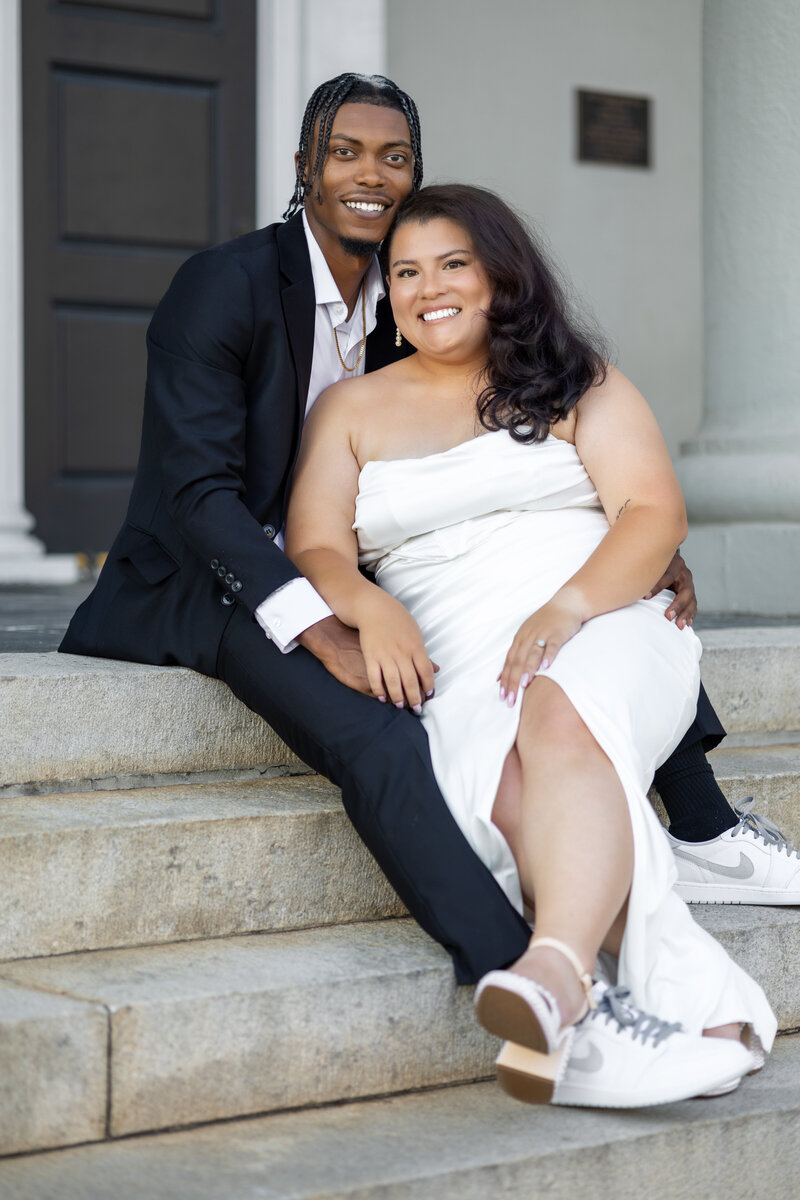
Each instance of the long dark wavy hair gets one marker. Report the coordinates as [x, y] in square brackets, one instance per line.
[542, 357]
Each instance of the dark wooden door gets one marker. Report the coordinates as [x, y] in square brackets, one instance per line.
[139, 149]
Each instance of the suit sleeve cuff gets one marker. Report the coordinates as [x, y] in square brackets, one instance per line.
[289, 611]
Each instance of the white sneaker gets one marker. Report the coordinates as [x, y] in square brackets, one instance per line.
[621, 1057]
[750, 864]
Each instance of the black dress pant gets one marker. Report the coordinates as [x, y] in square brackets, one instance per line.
[378, 755]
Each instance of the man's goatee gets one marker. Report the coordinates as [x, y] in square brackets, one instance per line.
[357, 248]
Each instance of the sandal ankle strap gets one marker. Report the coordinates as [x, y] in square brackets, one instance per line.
[572, 958]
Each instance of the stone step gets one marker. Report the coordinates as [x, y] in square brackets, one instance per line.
[106, 869]
[211, 1030]
[65, 719]
[208, 1030]
[85, 871]
[460, 1143]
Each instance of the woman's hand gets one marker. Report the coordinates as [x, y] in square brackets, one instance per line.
[398, 667]
[536, 643]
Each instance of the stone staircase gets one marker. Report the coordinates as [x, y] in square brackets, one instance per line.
[193, 936]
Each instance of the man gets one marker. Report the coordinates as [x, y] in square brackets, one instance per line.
[245, 339]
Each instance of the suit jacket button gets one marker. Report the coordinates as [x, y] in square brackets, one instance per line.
[236, 586]
[229, 578]
[221, 571]
[228, 599]
[214, 564]
[270, 531]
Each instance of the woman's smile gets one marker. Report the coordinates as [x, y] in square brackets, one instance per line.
[439, 314]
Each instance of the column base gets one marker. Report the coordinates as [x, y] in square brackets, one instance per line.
[747, 569]
[50, 569]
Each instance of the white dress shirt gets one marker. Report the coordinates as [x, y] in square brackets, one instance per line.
[294, 607]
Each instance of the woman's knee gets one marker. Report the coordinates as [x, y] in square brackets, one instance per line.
[549, 720]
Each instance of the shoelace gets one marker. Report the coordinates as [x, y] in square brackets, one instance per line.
[761, 827]
[613, 1004]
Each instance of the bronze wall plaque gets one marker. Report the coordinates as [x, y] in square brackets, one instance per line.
[613, 129]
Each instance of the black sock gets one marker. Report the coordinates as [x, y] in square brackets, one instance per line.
[696, 807]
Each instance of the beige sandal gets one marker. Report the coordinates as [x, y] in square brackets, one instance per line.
[526, 1013]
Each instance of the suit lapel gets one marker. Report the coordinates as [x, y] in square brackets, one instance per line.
[299, 308]
[298, 301]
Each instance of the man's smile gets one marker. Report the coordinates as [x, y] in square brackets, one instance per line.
[367, 207]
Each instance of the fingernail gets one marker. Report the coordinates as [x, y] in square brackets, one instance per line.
[510, 700]
[399, 704]
[523, 683]
[382, 699]
[545, 664]
[502, 692]
[429, 694]
[417, 709]
[670, 614]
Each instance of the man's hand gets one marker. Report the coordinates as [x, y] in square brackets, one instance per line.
[678, 578]
[338, 649]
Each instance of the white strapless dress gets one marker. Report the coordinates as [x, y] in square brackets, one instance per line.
[472, 541]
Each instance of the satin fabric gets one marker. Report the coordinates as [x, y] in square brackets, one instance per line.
[472, 541]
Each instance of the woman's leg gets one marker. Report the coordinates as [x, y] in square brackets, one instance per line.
[563, 811]
[564, 814]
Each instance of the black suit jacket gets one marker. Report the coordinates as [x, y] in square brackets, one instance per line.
[229, 362]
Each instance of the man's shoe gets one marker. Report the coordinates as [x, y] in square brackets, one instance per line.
[621, 1057]
[750, 864]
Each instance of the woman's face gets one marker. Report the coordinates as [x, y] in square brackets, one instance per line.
[438, 289]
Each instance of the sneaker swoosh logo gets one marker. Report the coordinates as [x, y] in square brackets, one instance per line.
[593, 1061]
[743, 870]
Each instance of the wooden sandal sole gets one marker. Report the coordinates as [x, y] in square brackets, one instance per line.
[510, 1017]
[527, 1075]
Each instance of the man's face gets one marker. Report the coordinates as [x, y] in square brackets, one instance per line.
[367, 173]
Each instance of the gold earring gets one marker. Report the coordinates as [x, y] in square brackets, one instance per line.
[398, 337]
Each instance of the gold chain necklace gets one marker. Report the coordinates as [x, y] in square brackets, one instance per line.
[363, 336]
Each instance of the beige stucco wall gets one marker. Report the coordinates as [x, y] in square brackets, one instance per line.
[495, 84]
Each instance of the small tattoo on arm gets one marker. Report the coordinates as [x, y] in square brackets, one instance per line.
[622, 510]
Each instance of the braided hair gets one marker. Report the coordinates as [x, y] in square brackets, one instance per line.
[323, 106]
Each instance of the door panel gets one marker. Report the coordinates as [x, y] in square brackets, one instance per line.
[139, 149]
[153, 187]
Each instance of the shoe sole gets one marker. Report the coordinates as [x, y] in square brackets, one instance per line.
[508, 1016]
[533, 1078]
[713, 893]
[527, 1075]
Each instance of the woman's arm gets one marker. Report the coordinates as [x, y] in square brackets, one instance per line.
[621, 446]
[321, 543]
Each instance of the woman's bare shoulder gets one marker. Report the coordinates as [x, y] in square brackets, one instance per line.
[613, 386]
[353, 395]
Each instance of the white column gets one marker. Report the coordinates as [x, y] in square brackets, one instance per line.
[22, 556]
[300, 44]
[741, 473]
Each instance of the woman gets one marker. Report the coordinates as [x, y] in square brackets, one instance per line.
[514, 498]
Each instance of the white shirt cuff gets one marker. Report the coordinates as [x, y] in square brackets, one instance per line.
[290, 610]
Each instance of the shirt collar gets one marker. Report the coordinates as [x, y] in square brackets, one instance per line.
[326, 291]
